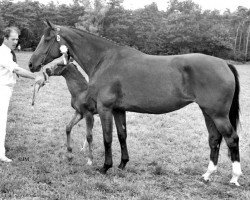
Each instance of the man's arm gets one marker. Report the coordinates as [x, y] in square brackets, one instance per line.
[27, 74]
[24, 73]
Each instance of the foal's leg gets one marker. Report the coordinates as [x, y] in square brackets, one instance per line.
[89, 137]
[75, 119]
[225, 128]
[120, 121]
[214, 142]
[107, 127]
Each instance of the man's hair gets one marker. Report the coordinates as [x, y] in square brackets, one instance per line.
[8, 30]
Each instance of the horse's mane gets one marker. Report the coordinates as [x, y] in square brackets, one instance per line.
[80, 31]
[96, 36]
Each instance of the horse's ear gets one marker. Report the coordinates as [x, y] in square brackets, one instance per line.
[48, 23]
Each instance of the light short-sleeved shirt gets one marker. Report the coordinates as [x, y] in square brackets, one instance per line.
[7, 66]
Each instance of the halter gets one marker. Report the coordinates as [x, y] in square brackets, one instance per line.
[58, 39]
[63, 50]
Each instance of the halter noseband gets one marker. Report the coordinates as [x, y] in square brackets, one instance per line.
[63, 50]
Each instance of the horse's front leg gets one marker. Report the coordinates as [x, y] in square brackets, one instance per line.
[75, 119]
[120, 121]
[89, 137]
[107, 127]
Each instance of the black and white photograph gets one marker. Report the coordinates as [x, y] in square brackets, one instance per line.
[124, 100]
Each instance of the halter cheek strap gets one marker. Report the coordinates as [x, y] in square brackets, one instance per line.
[63, 47]
[63, 50]
[58, 39]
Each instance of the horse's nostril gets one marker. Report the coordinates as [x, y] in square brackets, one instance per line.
[30, 65]
[48, 71]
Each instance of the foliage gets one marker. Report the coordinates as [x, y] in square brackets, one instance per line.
[241, 45]
[93, 19]
[29, 16]
[182, 28]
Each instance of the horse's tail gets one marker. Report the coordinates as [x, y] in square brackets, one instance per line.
[235, 107]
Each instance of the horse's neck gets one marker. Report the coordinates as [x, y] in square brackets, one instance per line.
[75, 81]
[87, 49]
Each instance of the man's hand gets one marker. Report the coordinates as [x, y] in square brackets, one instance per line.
[40, 80]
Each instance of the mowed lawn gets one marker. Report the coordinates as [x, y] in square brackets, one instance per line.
[168, 153]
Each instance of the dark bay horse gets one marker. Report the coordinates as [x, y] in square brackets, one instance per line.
[125, 79]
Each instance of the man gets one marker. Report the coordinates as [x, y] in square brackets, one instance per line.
[9, 69]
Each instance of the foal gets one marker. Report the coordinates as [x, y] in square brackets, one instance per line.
[77, 86]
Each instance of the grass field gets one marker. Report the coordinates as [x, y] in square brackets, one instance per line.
[168, 153]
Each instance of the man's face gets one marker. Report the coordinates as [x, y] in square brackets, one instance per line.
[12, 41]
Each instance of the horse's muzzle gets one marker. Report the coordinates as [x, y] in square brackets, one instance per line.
[33, 69]
[48, 71]
[30, 67]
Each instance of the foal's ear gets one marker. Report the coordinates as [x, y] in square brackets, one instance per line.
[48, 23]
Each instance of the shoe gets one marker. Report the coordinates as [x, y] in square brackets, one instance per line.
[5, 159]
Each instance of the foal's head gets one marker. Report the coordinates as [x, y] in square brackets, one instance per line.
[61, 69]
[56, 70]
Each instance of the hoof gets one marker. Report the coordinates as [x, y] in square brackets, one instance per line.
[104, 169]
[69, 149]
[206, 178]
[234, 181]
[123, 164]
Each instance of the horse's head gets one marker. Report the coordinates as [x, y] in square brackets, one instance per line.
[59, 69]
[47, 49]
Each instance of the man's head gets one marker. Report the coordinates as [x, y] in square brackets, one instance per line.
[11, 36]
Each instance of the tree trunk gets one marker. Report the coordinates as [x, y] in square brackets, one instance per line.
[248, 32]
[235, 42]
[240, 40]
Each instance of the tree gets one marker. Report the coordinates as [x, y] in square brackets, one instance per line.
[118, 24]
[146, 22]
[182, 28]
[2, 25]
[29, 16]
[241, 43]
[92, 20]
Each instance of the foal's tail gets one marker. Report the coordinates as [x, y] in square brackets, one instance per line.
[235, 107]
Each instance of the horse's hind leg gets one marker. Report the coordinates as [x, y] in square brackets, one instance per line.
[89, 137]
[120, 122]
[214, 140]
[75, 119]
[225, 128]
